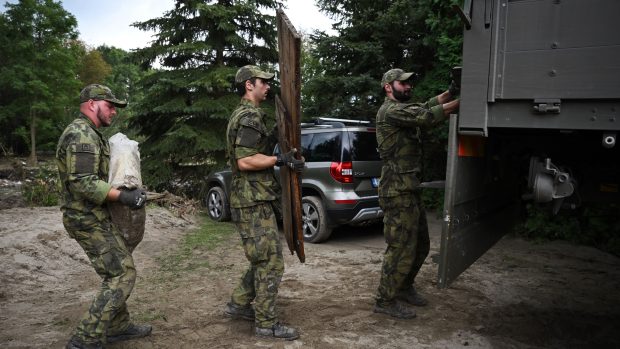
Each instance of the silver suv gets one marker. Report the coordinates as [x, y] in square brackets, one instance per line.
[339, 181]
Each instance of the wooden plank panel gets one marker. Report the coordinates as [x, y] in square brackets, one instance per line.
[288, 113]
[285, 180]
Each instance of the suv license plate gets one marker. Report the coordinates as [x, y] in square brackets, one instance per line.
[375, 182]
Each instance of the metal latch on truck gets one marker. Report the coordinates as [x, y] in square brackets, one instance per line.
[547, 106]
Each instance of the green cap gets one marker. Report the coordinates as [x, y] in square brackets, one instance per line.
[251, 71]
[395, 74]
[98, 92]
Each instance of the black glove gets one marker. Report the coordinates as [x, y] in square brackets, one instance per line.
[454, 89]
[289, 160]
[134, 198]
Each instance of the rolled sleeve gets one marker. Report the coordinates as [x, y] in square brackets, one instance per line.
[412, 115]
[432, 102]
[438, 113]
[244, 152]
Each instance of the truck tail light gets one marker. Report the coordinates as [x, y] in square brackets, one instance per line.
[342, 171]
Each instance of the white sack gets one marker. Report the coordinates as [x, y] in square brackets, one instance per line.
[125, 173]
[124, 163]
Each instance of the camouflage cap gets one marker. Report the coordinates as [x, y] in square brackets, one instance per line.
[251, 71]
[98, 92]
[395, 74]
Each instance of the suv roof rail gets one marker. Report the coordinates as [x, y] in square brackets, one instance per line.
[332, 122]
[344, 121]
[312, 124]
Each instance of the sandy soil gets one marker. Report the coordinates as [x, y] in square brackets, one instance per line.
[518, 295]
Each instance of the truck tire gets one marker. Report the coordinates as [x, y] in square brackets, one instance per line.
[315, 225]
[217, 204]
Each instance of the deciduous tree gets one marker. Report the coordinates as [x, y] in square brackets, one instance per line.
[38, 78]
[94, 69]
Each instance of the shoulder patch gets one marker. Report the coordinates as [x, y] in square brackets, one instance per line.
[248, 137]
[84, 158]
[248, 120]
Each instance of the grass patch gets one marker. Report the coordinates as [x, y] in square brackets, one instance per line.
[191, 253]
[149, 316]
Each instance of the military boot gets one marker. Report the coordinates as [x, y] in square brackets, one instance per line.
[236, 312]
[412, 297]
[278, 331]
[76, 343]
[395, 309]
[132, 332]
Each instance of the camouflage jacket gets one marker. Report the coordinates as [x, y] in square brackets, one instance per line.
[83, 157]
[398, 128]
[247, 135]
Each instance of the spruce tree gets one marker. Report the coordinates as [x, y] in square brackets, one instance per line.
[188, 98]
[423, 36]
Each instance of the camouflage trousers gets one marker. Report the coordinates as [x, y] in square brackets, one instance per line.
[263, 249]
[406, 234]
[108, 254]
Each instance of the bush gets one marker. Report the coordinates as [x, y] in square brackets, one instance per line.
[541, 224]
[42, 190]
[600, 227]
[433, 199]
[596, 225]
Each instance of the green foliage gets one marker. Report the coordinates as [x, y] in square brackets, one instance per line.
[423, 36]
[542, 224]
[600, 227]
[123, 80]
[93, 68]
[594, 225]
[186, 104]
[39, 55]
[42, 190]
[432, 199]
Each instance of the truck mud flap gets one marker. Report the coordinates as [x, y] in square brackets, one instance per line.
[479, 204]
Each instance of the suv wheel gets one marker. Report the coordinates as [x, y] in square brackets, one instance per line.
[315, 226]
[217, 204]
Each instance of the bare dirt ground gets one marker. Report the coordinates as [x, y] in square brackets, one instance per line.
[518, 295]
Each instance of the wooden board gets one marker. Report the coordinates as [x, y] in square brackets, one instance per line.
[288, 117]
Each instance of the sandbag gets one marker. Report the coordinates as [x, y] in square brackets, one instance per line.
[125, 174]
[129, 222]
[124, 163]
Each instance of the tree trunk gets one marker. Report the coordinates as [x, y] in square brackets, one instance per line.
[32, 161]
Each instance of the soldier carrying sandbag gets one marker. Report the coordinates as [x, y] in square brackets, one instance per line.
[83, 156]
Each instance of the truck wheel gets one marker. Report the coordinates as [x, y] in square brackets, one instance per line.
[315, 225]
[217, 204]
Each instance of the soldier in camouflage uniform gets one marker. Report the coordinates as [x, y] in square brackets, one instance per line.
[83, 157]
[405, 228]
[254, 192]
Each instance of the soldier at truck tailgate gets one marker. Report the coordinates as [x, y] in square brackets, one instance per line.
[254, 192]
[405, 228]
[83, 156]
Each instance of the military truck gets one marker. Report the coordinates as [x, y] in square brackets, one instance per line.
[539, 118]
